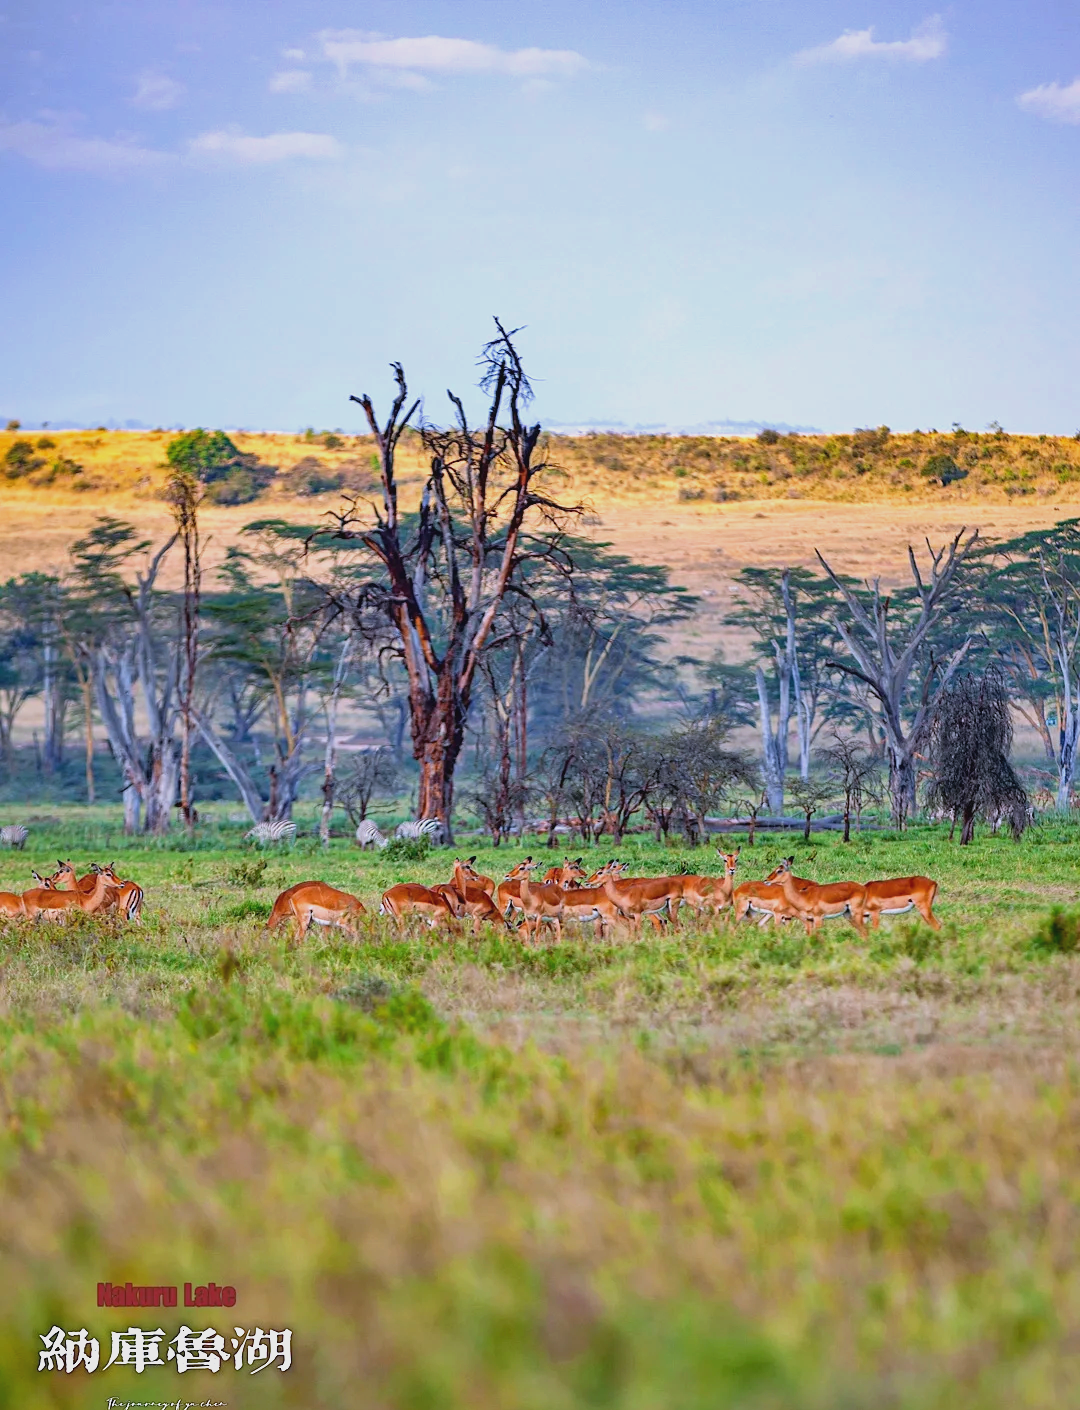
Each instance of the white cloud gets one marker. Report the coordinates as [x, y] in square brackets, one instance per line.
[156, 91]
[928, 41]
[435, 54]
[1053, 101]
[656, 122]
[296, 55]
[290, 81]
[55, 146]
[260, 151]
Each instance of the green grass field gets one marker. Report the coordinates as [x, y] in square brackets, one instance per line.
[717, 1167]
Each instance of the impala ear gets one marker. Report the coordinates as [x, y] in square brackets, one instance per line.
[471, 860]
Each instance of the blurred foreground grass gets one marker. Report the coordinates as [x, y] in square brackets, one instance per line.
[719, 1167]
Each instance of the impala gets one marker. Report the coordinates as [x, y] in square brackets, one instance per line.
[591, 903]
[900, 894]
[815, 904]
[650, 896]
[472, 899]
[129, 894]
[612, 868]
[571, 873]
[540, 901]
[314, 903]
[52, 901]
[477, 879]
[410, 899]
[125, 896]
[508, 891]
[704, 893]
[11, 904]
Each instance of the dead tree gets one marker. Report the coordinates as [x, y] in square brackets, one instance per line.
[449, 570]
[886, 665]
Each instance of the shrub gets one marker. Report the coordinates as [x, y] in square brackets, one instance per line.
[46, 443]
[1059, 933]
[406, 849]
[311, 476]
[20, 460]
[214, 460]
[768, 436]
[944, 469]
[239, 487]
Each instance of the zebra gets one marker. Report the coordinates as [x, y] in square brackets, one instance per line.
[271, 832]
[14, 836]
[431, 828]
[368, 835]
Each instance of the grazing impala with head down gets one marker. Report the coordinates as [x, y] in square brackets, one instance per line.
[314, 903]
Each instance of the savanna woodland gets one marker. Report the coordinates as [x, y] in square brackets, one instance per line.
[654, 1131]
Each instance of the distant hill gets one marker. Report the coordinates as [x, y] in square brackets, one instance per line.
[314, 468]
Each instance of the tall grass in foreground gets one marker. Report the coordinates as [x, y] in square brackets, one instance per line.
[726, 1167]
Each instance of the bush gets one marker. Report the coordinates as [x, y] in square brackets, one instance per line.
[311, 476]
[944, 469]
[20, 460]
[406, 849]
[214, 460]
[768, 436]
[1059, 934]
[239, 487]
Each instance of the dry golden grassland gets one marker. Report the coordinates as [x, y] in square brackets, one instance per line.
[703, 506]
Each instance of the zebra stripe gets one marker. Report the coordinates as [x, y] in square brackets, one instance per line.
[272, 832]
[413, 831]
[14, 836]
[368, 834]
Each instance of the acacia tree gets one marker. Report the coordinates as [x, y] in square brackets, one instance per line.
[891, 640]
[449, 569]
[786, 610]
[1030, 603]
[131, 644]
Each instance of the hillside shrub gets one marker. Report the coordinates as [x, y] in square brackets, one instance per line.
[944, 469]
[20, 460]
[231, 477]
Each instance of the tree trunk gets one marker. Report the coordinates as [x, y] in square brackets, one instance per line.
[847, 817]
[438, 734]
[132, 809]
[901, 782]
[244, 783]
[967, 832]
[773, 748]
[163, 786]
[88, 727]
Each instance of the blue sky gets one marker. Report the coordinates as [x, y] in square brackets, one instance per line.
[798, 211]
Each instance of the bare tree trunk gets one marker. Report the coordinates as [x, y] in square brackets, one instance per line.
[233, 766]
[132, 809]
[330, 754]
[86, 687]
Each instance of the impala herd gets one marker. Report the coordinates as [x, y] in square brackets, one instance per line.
[97, 893]
[608, 897]
[567, 893]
